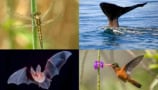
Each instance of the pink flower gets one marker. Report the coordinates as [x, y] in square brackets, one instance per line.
[97, 64]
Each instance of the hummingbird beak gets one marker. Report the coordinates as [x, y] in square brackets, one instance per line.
[108, 64]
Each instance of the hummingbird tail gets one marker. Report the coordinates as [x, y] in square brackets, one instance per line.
[135, 83]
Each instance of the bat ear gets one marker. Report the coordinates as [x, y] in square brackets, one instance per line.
[32, 71]
[38, 69]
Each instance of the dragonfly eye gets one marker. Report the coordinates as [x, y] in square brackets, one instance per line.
[38, 13]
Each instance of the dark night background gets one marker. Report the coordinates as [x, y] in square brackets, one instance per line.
[11, 61]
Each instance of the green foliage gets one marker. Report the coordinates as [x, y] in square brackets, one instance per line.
[153, 67]
[154, 57]
[17, 37]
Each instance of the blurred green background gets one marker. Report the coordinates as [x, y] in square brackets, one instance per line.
[15, 24]
[145, 73]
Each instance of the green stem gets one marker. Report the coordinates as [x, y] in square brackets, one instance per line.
[34, 30]
[98, 75]
[83, 64]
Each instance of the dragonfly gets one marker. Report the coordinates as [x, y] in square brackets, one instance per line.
[38, 18]
[38, 26]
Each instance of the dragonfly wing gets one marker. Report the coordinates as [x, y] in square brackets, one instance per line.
[47, 22]
[51, 20]
[133, 63]
[48, 10]
[22, 16]
[20, 19]
[23, 26]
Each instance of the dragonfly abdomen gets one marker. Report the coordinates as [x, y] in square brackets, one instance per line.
[38, 26]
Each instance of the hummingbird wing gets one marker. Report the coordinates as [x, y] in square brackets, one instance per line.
[133, 63]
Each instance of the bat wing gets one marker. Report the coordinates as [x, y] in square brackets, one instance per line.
[55, 63]
[19, 77]
[45, 84]
[133, 63]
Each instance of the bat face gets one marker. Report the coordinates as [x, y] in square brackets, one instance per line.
[37, 75]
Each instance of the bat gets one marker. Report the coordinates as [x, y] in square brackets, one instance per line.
[42, 79]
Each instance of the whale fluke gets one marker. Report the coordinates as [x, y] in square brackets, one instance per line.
[113, 12]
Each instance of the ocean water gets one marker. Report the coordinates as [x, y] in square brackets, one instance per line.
[140, 26]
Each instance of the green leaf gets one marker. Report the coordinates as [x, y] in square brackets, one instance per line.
[153, 66]
[148, 54]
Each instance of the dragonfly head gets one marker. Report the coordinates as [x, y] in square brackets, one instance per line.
[36, 15]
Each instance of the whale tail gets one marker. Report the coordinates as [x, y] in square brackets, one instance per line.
[113, 12]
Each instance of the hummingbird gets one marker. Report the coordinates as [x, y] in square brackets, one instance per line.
[124, 72]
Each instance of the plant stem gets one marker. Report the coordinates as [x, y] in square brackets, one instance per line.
[83, 64]
[34, 30]
[98, 75]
